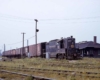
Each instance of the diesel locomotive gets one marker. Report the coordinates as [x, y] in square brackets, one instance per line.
[63, 48]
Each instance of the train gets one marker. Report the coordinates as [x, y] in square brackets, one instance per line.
[63, 48]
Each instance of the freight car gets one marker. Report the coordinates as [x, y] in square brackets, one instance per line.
[40, 49]
[28, 50]
[63, 48]
[14, 53]
[7, 53]
[18, 53]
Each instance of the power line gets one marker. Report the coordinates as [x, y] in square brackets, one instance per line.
[70, 19]
[52, 20]
[14, 43]
[20, 41]
[30, 37]
[72, 22]
[22, 18]
[9, 16]
[16, 20]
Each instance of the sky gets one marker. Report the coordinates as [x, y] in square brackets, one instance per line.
[56, 19]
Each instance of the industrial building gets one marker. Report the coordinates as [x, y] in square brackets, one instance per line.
[89, 48]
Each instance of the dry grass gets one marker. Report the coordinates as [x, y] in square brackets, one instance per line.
[44, 64]
[7, 76]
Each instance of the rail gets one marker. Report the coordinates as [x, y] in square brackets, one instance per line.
[34, 77]
[66, 72]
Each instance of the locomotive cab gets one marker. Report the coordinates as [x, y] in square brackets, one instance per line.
[61, 49]
[61, 43]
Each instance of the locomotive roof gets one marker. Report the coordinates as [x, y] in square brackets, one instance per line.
[61, 39]
[54, 40]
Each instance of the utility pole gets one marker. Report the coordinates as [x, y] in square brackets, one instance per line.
[16, 53]
[23, 54]
[36, 30]
[0, 52]
[27, 43]
[4, 49]
[10, 49]
[27, 46]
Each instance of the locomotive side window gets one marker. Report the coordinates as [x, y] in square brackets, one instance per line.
[57, 45]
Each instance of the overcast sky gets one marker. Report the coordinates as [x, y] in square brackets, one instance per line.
[56, 19]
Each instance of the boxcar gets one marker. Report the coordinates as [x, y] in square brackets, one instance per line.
[7, 53]
[18, 53]
[40, 49]
[13, 53]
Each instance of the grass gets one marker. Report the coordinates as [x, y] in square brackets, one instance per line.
[7, 76]
[29, 78]
[43, 64]
[52, 64]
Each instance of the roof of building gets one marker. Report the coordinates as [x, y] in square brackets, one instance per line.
[85, 44]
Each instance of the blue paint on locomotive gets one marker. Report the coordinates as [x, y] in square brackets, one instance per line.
[51, 46]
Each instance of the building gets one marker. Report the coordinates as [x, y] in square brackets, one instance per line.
[89, 48]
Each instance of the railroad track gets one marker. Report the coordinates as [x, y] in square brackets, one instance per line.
[34, 77]
[65, 72]
[71, 66]
[68, 63]
[64, 63]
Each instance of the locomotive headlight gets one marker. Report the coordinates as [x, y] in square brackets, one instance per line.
[72, 46]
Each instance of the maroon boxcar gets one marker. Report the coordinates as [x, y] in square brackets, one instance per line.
[13, 53]
[26, 50]
[21, 50]
[40, 49]
[7, 53]
[32, 50]
[18, 51]
[18, 55]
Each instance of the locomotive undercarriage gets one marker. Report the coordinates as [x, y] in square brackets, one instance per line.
[66, 56]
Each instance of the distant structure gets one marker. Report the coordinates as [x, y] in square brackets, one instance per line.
[89, 48]
[0, 53]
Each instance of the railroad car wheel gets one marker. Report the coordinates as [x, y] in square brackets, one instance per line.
[74, 57]
[60, 56]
